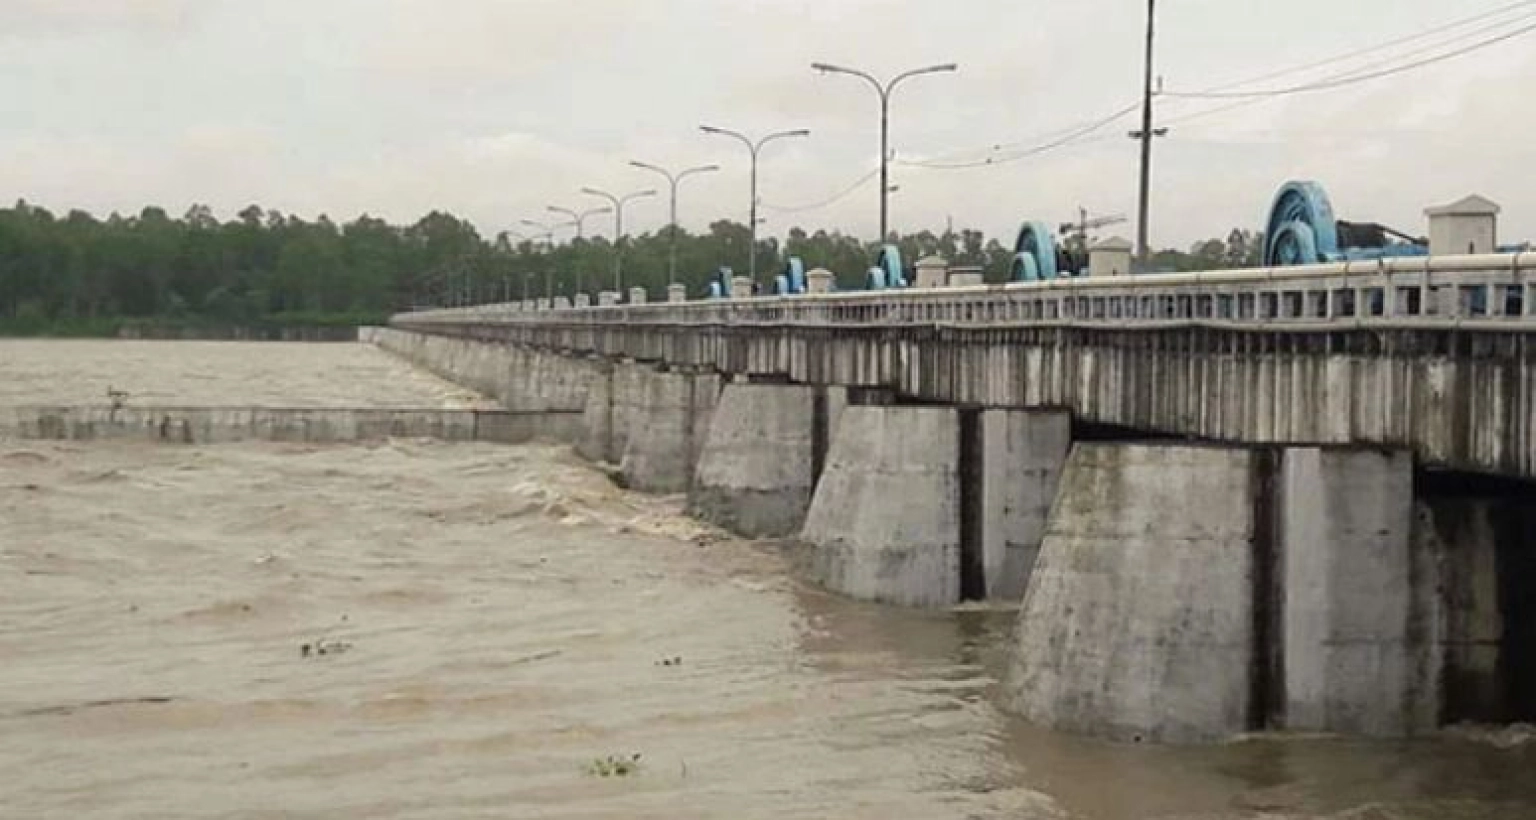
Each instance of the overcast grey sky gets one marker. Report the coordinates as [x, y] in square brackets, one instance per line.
[494, 108]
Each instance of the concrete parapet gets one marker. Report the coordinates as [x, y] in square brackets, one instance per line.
[607, 298]
[1022, 453]
[884, 522]
[741, 287]
[677, 293]
[756, 471]
[667, 426]
[1138, 623]
[637, 296]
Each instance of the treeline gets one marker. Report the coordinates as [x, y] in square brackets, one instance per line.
[79, 272]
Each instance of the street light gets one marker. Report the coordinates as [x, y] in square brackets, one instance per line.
[548, 233]
[884, 90]
[579, 219]
[673, 180]
[618, 203]
[755, 148]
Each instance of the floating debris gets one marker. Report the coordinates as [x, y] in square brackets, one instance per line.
[614, 766]
[323, 647]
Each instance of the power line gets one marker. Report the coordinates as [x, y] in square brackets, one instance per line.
[1071, 137]
[1456, 24]
[1010, 152]
[1347, 56]
[1354, 78]
[1024, 144]
[841, 194]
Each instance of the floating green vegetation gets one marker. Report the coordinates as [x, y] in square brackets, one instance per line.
[614, 766]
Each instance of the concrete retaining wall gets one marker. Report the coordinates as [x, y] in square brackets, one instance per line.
[1138, 623]
[519, 378]
[206, 425]
[755, 473]
[667, 418]
[884, 522]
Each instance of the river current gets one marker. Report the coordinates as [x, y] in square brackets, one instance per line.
[412, 629]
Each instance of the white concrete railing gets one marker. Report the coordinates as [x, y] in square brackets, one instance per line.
[1496, 291]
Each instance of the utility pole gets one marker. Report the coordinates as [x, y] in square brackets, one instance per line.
[884, 90]
[754, 148]
[1146, 135]
[673, 180]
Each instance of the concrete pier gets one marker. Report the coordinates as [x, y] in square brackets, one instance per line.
[596, 442]
[756, 470]
[1138, 623]
[1355, 629]
[884, 522]
[668, 423]
[1022, 456]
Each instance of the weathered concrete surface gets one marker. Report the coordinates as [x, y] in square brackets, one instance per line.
[207, 425]
[668, 425]
[884, 524]
[1482, 562]
[518, 377]
[626, 406]
[1354, 630]
[596, 442]
[1455, 400]
[1138, 622]
[1023, 453]
[755, 472]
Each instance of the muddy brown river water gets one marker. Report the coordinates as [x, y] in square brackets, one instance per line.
[497, 622]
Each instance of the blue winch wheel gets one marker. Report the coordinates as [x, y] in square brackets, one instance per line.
[794, 271]
[720, 288]
[874, 279]
[1034, 253]
[1302, 229]
[890, 263]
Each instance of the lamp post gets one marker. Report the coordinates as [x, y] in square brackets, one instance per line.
[884, 90]
[618, 203]
[673, 180]
[548, 233]
[579, 219]
[755, 148]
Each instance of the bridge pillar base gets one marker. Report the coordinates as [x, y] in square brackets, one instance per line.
[1022, 453]
[884, 522]
[756, 471]
[667, 424]
[597, 440]
[1138, 623]
[1355, 626]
